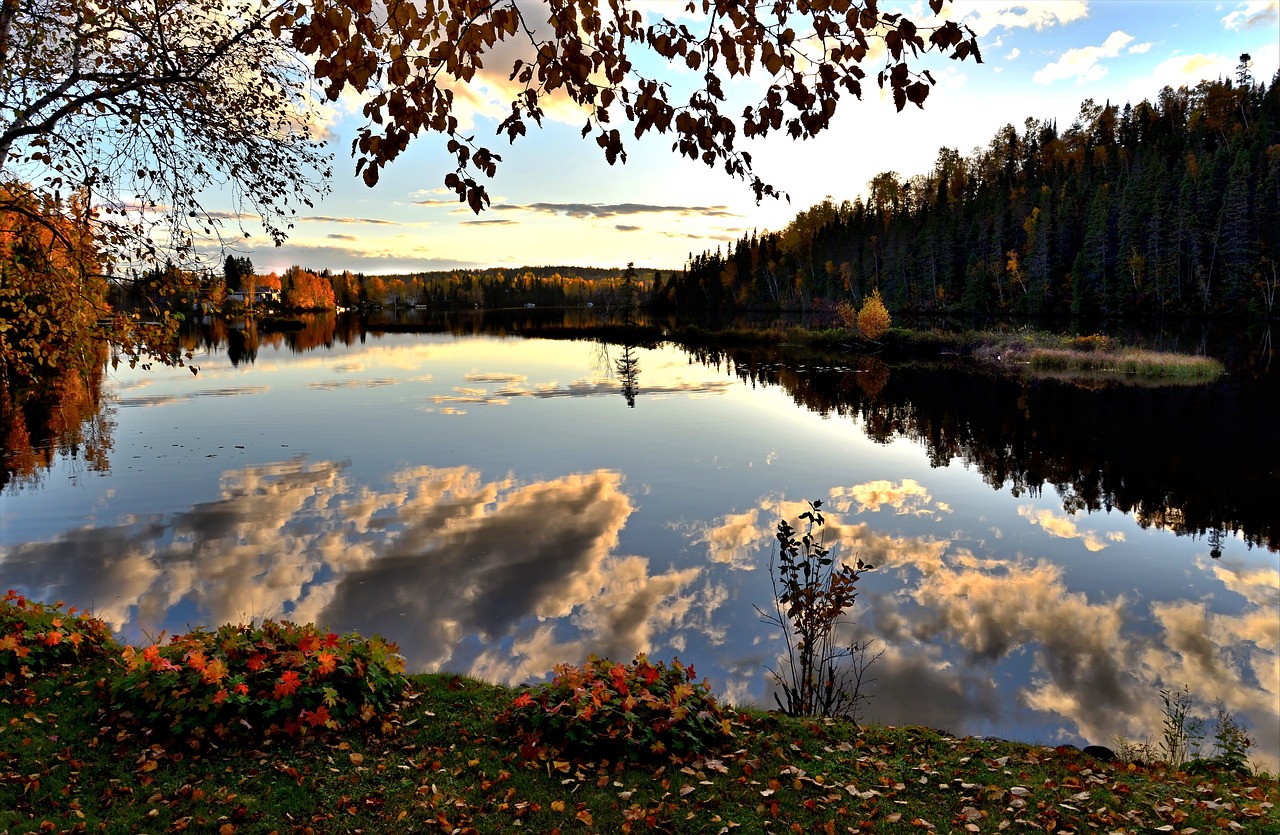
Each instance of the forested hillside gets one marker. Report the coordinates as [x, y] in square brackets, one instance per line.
[1164, 207]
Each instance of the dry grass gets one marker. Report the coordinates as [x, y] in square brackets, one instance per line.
[1128, 363]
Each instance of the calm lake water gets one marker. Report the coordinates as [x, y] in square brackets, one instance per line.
[1050, 555]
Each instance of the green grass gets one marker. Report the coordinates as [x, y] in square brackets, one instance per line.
[443, 765]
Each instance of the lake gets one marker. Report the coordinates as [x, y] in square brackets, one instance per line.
[1050, 555]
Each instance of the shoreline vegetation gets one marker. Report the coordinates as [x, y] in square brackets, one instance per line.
[1030, 351]
[444, 761]
[1091, 358]
[274, 726]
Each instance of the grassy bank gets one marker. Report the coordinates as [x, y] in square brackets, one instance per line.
[1093, 357]
[442, 764]
[1037, 353]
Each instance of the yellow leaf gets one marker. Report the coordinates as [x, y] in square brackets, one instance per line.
[557, 805]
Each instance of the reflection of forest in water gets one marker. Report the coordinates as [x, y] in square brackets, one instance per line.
[64, 415]
[1196, 460]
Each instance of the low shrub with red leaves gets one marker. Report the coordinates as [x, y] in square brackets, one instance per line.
[635, 710]
[258, 680]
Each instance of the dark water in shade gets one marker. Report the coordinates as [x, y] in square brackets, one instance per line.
[498, 505]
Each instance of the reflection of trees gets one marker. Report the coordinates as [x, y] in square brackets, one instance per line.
[1144, 451]
[628, 369]
[61, 415]
[244, 338]
[242, 343]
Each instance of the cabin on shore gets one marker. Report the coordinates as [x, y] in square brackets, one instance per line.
[261, 293]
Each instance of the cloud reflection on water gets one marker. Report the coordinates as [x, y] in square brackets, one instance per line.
[504, 579]
[185, 396]
[494, 577]
[516, 387]
[953, 622]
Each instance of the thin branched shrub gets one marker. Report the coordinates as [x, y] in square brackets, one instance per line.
[822, 675]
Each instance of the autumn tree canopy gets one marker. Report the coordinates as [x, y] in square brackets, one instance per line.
[145, 107]
[123, 117]
[410, 61]
[141, 108]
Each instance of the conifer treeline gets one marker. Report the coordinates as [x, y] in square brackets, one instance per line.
[1171, 207]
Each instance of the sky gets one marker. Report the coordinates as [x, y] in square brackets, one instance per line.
[556, 201]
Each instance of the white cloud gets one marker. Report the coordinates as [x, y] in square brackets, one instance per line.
[1140, 48]
[984, 16]
[1188, 70]
[1084, 63]
[1253, 14]
[1014, 54]
[1063, 527]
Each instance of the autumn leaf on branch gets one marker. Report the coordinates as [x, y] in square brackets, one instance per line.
[409, 63]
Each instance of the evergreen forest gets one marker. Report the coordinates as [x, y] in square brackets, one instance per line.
[1164, 208]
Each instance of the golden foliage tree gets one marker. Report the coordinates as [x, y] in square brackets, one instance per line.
[304, 290]
[50, 294]
[873, 318]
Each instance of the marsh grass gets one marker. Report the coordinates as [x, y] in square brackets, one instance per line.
[1128, 362]
[445, 765]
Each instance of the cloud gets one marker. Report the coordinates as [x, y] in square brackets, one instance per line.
[1188, 70]
[985, 16]
[734, 540]
[332, 385]
[603, 210]
[1085, 63]
[493, 377]
[1140, 48]
[373, 259]
[586, 387]
[170, 399]
[1252, 15]
[230, 216]
[1063, 527]
[337, 237]
[904, 497]
[697, 237]
[348, 220]
[441, 559]
[503, 222]
[621, 227]
[1013, 54]
[451, 202]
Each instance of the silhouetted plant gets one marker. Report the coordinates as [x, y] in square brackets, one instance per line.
[1182, 735]
[1230, 748]
[811, 594]
[1182, 732]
